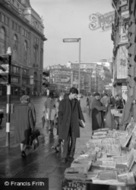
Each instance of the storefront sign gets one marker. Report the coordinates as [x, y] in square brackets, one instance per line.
[125, 14]
[122, 62]
[123, 31]
[101, 21]
[125, 11]
[123, 2]
[73, 185]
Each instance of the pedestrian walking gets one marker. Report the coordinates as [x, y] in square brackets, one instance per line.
[69, 115]
[91, 98]
[25, 121]
[97, 112]
[57, 145]
[49, 112]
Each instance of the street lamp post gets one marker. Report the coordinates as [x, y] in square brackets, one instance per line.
[72, 40]
[8, 99]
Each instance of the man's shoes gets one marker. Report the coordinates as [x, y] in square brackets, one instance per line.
[64, 160]
[23, 154]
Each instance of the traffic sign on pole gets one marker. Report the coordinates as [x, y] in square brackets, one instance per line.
[4, 69]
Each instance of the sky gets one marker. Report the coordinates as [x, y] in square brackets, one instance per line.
[70, 19]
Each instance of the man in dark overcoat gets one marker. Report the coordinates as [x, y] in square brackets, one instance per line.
[68, 117]
[97, 115]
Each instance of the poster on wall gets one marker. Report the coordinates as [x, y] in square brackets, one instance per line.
[124, 92]
[122, 62]
[123, 34]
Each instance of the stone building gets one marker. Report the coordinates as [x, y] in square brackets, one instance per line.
[93, 76]
[21, 28]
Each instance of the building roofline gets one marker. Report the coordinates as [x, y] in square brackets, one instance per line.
[22, 19]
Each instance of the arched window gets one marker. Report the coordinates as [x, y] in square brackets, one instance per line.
[2, 40]
[25, 52]
[15, 41]
[15, 47]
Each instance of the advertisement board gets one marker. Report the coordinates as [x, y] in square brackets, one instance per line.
[123, 2]
[123, 34]
[122, 62]
[103, 21]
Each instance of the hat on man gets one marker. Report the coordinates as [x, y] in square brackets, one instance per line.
[96, 94]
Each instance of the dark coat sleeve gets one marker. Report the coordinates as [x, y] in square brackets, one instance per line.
[60, 112]
[31, 116]
[98, 106]
[81, 116]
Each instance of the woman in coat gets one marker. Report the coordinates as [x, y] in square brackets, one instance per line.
[25, 120]
[97, 115]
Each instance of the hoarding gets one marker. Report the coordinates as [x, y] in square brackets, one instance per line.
[123, 34]
[103, 21]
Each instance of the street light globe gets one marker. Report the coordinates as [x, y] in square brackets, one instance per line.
[9, 51]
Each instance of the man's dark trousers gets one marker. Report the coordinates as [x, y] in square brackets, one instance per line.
[69, 145]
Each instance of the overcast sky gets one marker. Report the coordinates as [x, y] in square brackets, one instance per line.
[70, 19]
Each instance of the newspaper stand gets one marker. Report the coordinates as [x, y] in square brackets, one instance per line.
[109, 161]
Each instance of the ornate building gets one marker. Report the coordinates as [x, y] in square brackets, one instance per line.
[93, 76]
[21, 28]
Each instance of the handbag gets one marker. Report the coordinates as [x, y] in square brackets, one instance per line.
[81, 123]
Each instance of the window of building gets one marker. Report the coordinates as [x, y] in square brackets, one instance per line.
[2, 40]
[15, 45]
[35, 54]
[2, 18]
[25, 71]
[25, 52]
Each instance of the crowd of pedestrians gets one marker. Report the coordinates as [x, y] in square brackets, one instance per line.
[63, 116]
[99, 108]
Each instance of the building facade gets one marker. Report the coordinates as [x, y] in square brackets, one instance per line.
[120, 52]
[93, 77]
[21, 28]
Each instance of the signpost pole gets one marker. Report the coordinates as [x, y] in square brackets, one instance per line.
[72, 40]
[8, 101]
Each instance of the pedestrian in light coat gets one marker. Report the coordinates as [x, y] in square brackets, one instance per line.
[69, 115]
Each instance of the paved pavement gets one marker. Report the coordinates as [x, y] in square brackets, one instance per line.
[43, 162]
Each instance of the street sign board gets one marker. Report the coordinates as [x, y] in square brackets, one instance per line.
[71, 40]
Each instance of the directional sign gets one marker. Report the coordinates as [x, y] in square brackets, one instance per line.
[4, 68]
[71, 40]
